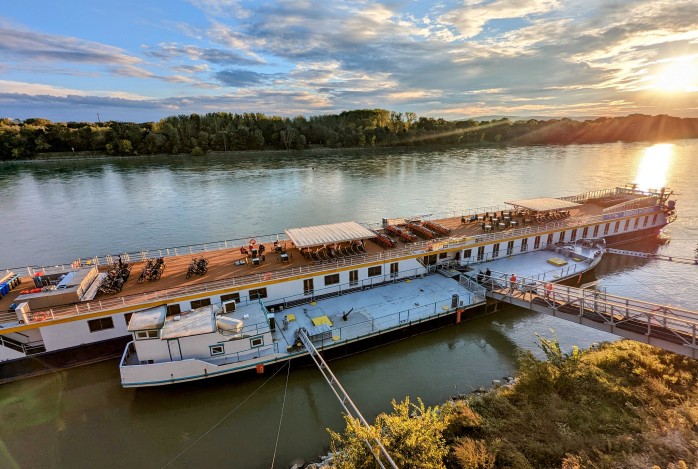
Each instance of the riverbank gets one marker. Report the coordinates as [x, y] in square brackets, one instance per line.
[623, 404]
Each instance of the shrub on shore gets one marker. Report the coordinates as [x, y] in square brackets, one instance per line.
[620, 405]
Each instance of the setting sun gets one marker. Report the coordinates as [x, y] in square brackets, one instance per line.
[677, 76]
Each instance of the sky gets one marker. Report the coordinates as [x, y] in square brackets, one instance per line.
[144, 60]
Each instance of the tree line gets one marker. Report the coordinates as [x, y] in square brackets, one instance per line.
[226, 132]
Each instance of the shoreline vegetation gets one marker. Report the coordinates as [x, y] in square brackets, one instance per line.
[618, 405]
[197, 135]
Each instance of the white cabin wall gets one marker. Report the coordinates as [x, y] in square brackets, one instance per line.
[70, 334]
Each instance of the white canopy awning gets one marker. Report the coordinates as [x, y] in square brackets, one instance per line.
[328, 234]
[544, 204]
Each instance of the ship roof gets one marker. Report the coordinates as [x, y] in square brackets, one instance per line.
[151, 318]
[543, 204]
[327, 234]
[194, 322]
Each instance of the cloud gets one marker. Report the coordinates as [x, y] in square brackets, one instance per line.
[241, 78]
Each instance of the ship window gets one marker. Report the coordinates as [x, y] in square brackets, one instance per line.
[127, 317]
[200, 303]
[596, 231]
[550, 239]
[524, 245]
[100, 324]
[615, 228]
[585, 232]
[216, 349]
[637, 222]
[467, 253]
[644, 223]
[231, 296]
[510, 248]
[654, 219]
[627, 224]
[256, 341]
[173, 310]
[574, 235]
[394, 269]
[308, 286]
[374, 271]
[353, 277]
[145, 335]
[562, 236]
[331, 279]
[536, 242]
[480, 253]
[258, 293]
[495, 250]
[605, 228]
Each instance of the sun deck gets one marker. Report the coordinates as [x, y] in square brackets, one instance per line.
[228, 266]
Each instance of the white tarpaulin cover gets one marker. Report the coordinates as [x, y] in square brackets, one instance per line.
[544, 204]
[328, 234]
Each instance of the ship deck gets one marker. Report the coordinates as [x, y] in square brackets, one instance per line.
[230, 263]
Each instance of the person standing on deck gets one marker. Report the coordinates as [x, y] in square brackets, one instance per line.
[548, 289]
[512, 282]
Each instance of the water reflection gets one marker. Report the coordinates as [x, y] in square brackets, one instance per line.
[654, 166]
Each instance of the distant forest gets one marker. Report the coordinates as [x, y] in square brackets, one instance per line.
[225, 132]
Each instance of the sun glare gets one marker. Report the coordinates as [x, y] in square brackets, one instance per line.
[654, 166]
[677, 76]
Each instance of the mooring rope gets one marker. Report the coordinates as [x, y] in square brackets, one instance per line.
[224, 417]
[281, 417]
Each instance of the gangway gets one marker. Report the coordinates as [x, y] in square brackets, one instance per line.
[650, 255]
[664, 326]
[344, 399]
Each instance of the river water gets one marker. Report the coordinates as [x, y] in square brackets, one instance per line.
[57, 211]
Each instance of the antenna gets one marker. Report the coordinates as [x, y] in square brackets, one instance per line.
[98, 118]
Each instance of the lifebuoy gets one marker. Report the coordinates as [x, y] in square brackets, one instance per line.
[40, 316]
[268, 276]
[253, 241]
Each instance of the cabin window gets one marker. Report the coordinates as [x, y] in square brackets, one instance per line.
[430, 260]
[637, 222]
[145, 335]
[443, 255]
[331, 279]
[524, 245]
[257, 341]
[596, 231]
[308, 286]
[654, 219]
[617, 227]
[200, 303]
[127, 317]
[100, 324]
[231, 296]
[467, 253]
[394, 269]
[258, 293]
[495, 250]
[173, 310]
[647, 219]
[562, 236]
[353, 277]
[510, 248]
[585, 232]
[605, 228]
[480, 253]
[374, 271]
[627, 224]
[216, 349]
[536, 242]
[549, 240]
[574, 235]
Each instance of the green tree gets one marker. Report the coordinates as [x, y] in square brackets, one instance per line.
[412, 434]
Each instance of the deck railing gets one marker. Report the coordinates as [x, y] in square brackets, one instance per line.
[413, 249]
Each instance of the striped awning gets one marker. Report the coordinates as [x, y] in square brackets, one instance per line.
[328, 234]
[543, 204]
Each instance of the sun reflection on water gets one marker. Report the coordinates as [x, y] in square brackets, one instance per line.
[652, 173]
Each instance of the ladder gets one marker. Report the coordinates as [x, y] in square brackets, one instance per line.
[344, 399]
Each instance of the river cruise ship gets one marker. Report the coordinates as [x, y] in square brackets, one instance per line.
[186, 313]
